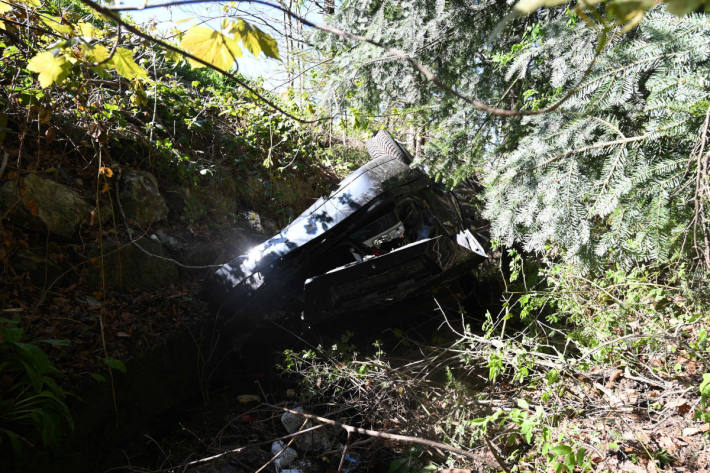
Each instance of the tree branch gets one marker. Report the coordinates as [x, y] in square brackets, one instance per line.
[430, 76]
[108, 12]
[350, 429]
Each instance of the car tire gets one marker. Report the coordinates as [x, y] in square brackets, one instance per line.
[383, 145]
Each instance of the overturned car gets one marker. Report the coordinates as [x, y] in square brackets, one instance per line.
[386, 234]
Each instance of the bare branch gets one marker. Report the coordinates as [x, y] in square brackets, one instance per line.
[350, 429]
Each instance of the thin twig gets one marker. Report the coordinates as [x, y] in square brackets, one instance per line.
[345, 453]
[275, 457]
[241, 449]
[374, 433]
[496, 454]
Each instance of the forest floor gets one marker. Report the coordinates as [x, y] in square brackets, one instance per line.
[411, 394]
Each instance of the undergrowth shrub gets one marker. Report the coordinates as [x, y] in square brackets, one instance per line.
[529, 383]
[32, 407]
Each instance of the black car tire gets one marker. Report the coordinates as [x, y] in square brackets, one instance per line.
[383, 145]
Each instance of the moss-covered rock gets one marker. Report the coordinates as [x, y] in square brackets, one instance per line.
[140, 198]
[43, 203]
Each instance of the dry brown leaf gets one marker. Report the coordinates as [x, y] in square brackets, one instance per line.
[614, 377]
[680, 404]
[44, 116]
[31, 205]
[668, 443]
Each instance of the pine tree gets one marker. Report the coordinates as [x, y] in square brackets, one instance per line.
[606, 176]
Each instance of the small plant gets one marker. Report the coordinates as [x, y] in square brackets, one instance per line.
[703, 412]
[564, 459]
[32, 408]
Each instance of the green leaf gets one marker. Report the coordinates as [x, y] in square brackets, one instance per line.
[400, 465]
[523, 404]
[50, 68]
[115, 364]
[211, 46]
[98, 377]
[705, 386]
[561, 450]
[124, 64]
[34, 355]
[255, 40]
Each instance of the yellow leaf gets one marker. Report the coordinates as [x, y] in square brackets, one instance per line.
[525, 7]
[173, 56]
[106, 171]
[184, 20]
[255, 40]
[2, 25]
[124, 64]
[247, 398]
[4, 7]
[95, 53]
[56, 24]
[105, 188]
[50, 68]
[211, 46]
[31, 3]
[88, 30]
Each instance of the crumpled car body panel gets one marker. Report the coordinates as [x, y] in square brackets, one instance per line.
[384, 208]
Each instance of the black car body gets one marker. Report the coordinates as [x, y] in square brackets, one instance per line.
[386, 233]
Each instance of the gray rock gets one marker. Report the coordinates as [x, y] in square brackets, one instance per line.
[141, 199]
[287, 457]
[313, 441]
[172, 243]
[292, 422]
[45, 203]
[128, 267]
[252, 219]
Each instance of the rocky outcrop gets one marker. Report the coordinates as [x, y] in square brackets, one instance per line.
[215, 197]
[43, 203]
[140, 198]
